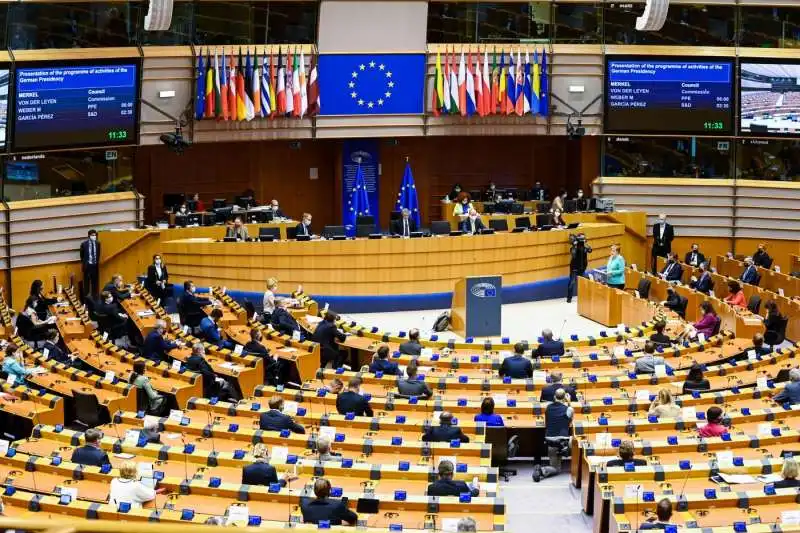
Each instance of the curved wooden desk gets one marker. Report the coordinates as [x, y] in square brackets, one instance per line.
[385, 266]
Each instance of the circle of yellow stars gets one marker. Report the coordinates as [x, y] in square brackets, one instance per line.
[372, 66]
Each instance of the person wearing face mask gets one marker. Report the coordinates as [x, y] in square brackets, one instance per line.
[118, 289]
[463, 205]
[581, 202]
[663, 235]
[275, 208]
[492, 194]
[558, 201]
[116, 326]
[473, 223]
[183, 210]
[192, 305]
[703, 282]
[304, 227]
[694, 257]
[761, 257]
[238, 231]
[557, 220]
[452, 196]
[90, 264]
[672, 271]
[157, 281]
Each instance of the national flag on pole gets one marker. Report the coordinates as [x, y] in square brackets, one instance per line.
[303, 86]
[297, 88]
[526, 108]
[241, 94]
[535, 83]
[358, 204]
[494, 93]
[313, 89]
[224, 89]
[407, 197]
[217, 88]
[209, 111]
[543, 94]
[511, 86]
[453, 83]
[280, 91]
[200, 99]
[502, 81]
[472, 105]
[478, 85]
[446, 85]
[519, 105]
[273, 98]
[256, 86]
[486, 91]
[249, 108]
[462, 86]
[438, 86]
[232, 88]
[266, 97]
[289, 84]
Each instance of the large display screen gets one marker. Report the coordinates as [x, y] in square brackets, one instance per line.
[4, 72]
[646, 94]
[76, 105]
[769, 98]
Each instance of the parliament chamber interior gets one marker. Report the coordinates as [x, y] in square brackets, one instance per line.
[400, 265]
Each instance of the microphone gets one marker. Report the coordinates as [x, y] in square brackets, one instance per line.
[185, 459]
[561, 331]
[211, 431]
[638, 491]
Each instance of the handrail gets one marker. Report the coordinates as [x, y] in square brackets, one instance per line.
[138, 239]
[628, 229]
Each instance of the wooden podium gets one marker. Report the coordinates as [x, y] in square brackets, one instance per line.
[477, 306]
[599, 302]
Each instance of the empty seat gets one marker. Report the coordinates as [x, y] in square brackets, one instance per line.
[440, 227]
[498, 224]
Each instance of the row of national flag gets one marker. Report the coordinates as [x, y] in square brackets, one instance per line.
[514, 86]
[258, 86]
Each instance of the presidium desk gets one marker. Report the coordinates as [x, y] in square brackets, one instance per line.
[384, 267]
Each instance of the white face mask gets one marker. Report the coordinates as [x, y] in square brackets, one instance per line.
[580, 194]
[158, 262]
[93, 237]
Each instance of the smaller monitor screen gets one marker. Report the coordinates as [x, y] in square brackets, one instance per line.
[3, 106]
[22, 171]
[769, 98]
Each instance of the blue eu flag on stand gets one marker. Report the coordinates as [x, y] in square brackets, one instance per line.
[200, 99]
[407, 197]
[358, 205]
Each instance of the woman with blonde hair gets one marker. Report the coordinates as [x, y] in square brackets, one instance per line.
[269, 296]
[664, 406]
[789, 473]
[127, 489]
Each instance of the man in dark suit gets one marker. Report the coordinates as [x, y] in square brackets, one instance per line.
[272, 365]
[761, 257]
[275, 420]
[260, 472]
[581, 201]
[411, 386]
[322, 508]
[538, 192]
[549, 347]
[750, 272]
[663, 514]
[90, 453]
[381, 363]
[52, 351]
[473, 223]
[556, 382]
[672, 271]
[327, 335]
[405, 225]
[156, 347]
[694, 257]
[659, 337]
[116, 324]
[351, 400]
[445, 432]
[663, 235]
[212, 385]
[304, 227]
[626, 455]
[118, 288]
[157, 282]
[704, 282]
[673, 301]
[447, 486]
[283, 321]
[192, 305]
[90, 263]
[517, 366]
[275, 208]
[412, 346]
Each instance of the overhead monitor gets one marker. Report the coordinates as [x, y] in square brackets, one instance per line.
[669, 95]
[769, 97]
[76, 104]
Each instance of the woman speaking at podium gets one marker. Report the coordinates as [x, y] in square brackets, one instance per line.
[615, 269]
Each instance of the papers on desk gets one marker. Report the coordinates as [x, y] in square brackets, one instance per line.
[602, 440]
[770, 478]
[144, 313]
[327, 431]
[37, 370]
[450, 524]
[426, 352]
[279, 454]
[72, 492]
[790, 518]
[125, 456]
[230, 366]
[131, 437]
[176, 415]
[539, 375]
[311, 319]
[761, 382]
[736, 479]
[632, 491]
[238, 513]
[4, 446]
[171, 436]
[290, 407]
[765, 429]
[144, 470]
[288, 350]
[689, 413]
[643, 395]
[724, 459]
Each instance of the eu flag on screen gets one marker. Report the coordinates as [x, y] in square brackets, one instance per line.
[372, 84]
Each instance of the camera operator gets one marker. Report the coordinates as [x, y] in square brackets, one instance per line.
[578, 261]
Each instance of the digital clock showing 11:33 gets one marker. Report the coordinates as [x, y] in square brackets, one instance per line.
[716, 125]
[117, 135]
